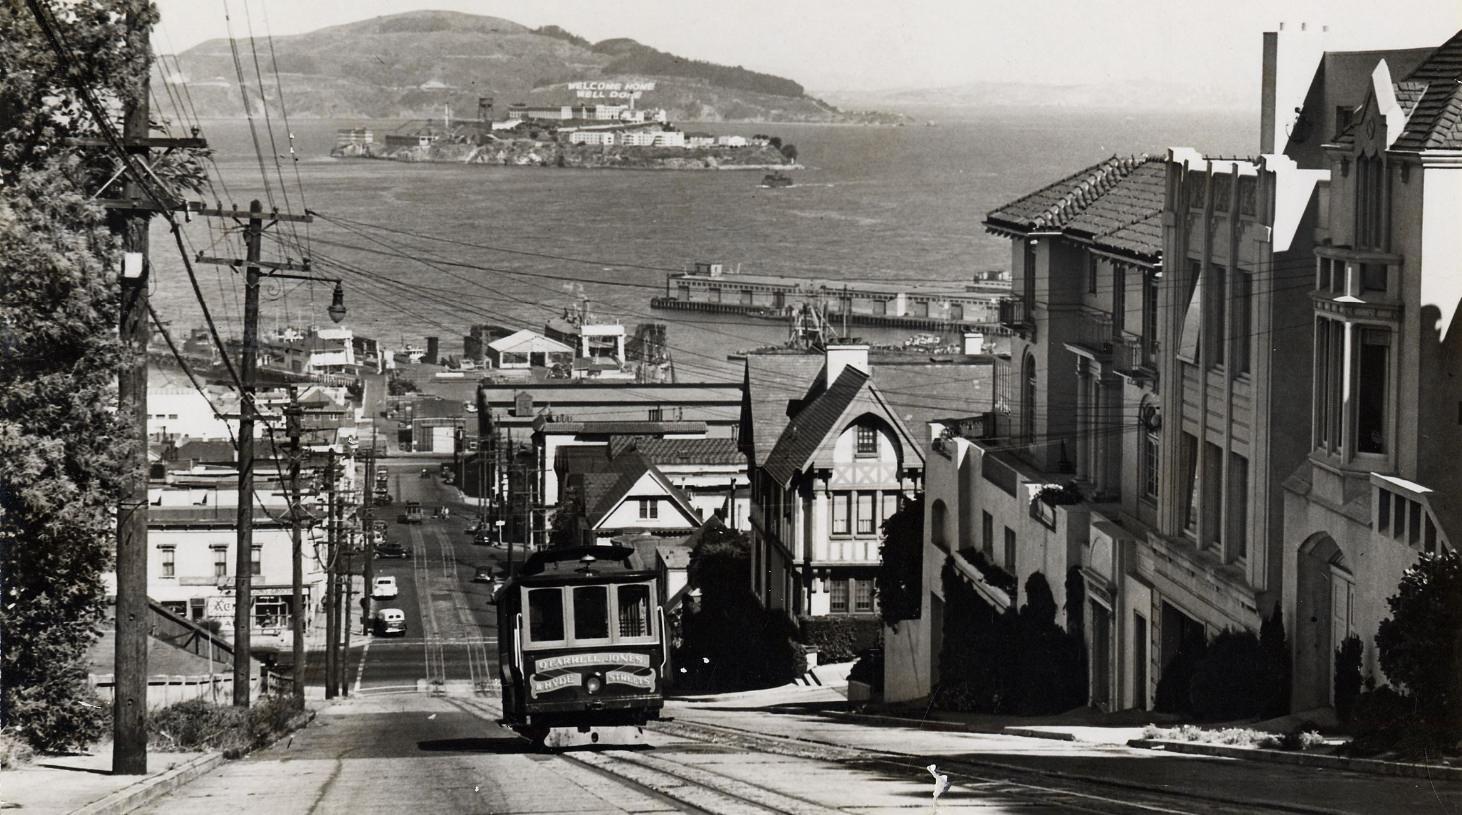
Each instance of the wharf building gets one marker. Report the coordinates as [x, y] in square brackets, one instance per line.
[711, 287]
[1270, 431]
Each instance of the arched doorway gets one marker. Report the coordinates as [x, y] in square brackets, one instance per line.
[1028, 399]
[1324, 588]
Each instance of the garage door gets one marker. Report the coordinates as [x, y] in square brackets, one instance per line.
[441, 439]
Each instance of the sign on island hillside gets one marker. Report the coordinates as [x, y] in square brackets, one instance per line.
[596, 89]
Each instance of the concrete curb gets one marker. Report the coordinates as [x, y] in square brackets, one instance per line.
[1303, 759]
[151, 788]
[1031, 733]
[1295, 758]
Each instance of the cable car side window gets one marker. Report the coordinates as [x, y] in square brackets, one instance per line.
[545, 615]
[591, 613]
[634, 610]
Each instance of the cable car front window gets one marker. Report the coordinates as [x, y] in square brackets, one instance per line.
[634, 610]
[545, 615]
[591, 613]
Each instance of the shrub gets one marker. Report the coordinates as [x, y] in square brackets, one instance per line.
[1418, 644]
[1380, 721]
[1172, 693]
[1347, 677]
[1275, 648]
[869, 669]
[1227, 682]
[840, 639]
[993, 574]
[197, 724]
[14, 750]
[900, 578]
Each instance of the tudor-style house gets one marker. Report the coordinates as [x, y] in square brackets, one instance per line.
[829, 460]
[1381, 480]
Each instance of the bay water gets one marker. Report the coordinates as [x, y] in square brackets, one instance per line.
[430, 249]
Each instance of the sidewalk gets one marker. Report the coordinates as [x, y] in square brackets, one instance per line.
[55, 785]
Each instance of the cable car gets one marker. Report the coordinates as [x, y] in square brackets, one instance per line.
[581, 643]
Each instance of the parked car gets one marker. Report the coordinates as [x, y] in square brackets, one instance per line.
[392, 550]
[382, 499]
[483, 573]
[384, 588]
[483, 537]
[389, 621]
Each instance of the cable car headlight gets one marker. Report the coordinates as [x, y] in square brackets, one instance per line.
[592, 684]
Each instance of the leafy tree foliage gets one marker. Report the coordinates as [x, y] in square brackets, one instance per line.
[731, 640]
[61, 440]
[1420, 646]
[789, 151]
[1347, 677]
[1274, 646]
[900, 578]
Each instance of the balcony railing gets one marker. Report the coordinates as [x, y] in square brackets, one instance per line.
[1095, 333]
[1403, 513]
[1135, 356]
[1015, 313]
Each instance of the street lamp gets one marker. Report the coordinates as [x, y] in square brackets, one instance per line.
[337, 303]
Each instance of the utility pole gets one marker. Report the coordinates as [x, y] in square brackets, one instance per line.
[243, 553]
[296, 521]
[368, 526]
[129, 707]
[332, 588]
[346, 613]
[243, 556]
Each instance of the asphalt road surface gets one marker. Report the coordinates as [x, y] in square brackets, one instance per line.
[451, 624]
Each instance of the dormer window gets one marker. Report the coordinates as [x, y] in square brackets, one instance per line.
[867, 440]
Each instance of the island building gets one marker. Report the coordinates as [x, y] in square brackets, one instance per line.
[1182, 480]
[717, 288]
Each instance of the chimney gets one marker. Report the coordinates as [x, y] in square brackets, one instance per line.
[1291, 56]
[851, 355]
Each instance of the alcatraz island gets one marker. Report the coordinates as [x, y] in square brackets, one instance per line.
[603, 129]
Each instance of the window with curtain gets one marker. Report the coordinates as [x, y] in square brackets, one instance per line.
[1189, 340]
[863, 595]
[841, 524]
[867, 509]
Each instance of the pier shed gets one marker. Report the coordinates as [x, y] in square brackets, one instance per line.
[527, 349]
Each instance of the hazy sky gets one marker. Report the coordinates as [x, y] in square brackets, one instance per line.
[875, 44]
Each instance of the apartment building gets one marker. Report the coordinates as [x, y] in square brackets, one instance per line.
[1074, 403]
[1380, 477]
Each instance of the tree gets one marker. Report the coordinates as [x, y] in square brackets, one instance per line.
[1419, 644]
[789, 152]
[1274, 646]
[60, 436]
[900, 578]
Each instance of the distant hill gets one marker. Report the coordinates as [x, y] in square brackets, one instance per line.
[1120, 95]
[411, 65]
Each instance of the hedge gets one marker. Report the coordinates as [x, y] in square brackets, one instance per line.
[839, 638]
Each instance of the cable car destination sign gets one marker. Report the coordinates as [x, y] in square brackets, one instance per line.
[596, 89]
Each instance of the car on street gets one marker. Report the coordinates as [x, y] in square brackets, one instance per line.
[483, 538]
[384, 588]
[483, 573]
[382, 499]
[474, 527]
[392, 550]
[388, 621]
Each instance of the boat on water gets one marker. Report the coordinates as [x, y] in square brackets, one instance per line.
[776, 180]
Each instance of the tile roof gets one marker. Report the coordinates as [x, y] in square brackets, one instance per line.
[773, 383]
[1117, 203]
[680, 451]
[1436, 120]
[811, 426]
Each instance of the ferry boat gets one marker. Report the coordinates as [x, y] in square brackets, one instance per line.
[776, 180]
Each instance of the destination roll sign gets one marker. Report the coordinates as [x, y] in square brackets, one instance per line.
[595, 89]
